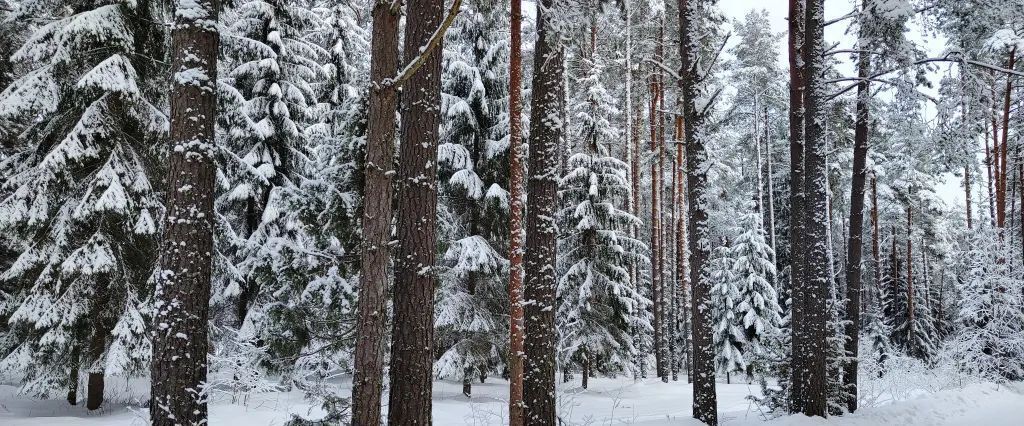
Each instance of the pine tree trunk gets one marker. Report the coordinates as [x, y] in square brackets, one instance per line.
[375, 254]
[797, 87]
[657, 298]
[705, 402]
[515, 252]
[855, 242]
[182, 294]
[412, 336]
[812, 290]
[548, 101]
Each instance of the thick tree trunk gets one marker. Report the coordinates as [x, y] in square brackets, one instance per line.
[705, 402]
[412, 336]
[375, 253]
[812, 290]
[548, 101]
[182, 294]
[855, 242]
[797, 12]
[515, 251]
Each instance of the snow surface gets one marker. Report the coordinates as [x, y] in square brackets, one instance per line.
[618, 401]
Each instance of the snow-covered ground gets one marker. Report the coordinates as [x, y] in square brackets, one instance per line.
[608, 402]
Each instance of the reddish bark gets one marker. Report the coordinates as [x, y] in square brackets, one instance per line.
[515, 252]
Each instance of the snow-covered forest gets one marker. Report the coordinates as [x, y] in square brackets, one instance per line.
[543, 212]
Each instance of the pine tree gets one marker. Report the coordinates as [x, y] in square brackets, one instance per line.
[183, 276]
[546, 132]
[375, 253]
[79, 193]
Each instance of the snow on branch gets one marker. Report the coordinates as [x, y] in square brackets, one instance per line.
[425, 51]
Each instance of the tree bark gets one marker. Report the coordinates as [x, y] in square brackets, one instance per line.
[76, 356]
[182, 294]
[797, 12]
[548, 102]
[812, 290]
[856, 238]
[412, 336]
[375, 253]
[705, 403]
[515, 287]
[656, 286]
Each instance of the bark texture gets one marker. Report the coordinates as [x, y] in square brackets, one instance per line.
[547, 110]
[375, 252]
[182, 294]
[515, 248]
[412, 335]
[797, 11]
[705, 402]
[813, 286]
[854, 247]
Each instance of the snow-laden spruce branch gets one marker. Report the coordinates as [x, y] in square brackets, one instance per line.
[949, 57]
[425, 51]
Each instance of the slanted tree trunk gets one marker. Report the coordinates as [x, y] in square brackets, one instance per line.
[515, 251]
[797, 12]
[705, 402]
[548, 101]
[375, 254]
[855, 242]
[182, 294]
[412, 336]
[812, 289]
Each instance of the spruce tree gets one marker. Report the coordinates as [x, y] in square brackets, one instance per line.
[79, 192]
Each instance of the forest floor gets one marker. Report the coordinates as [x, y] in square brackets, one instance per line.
[607, 402]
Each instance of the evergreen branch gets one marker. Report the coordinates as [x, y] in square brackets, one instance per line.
[425, 51]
